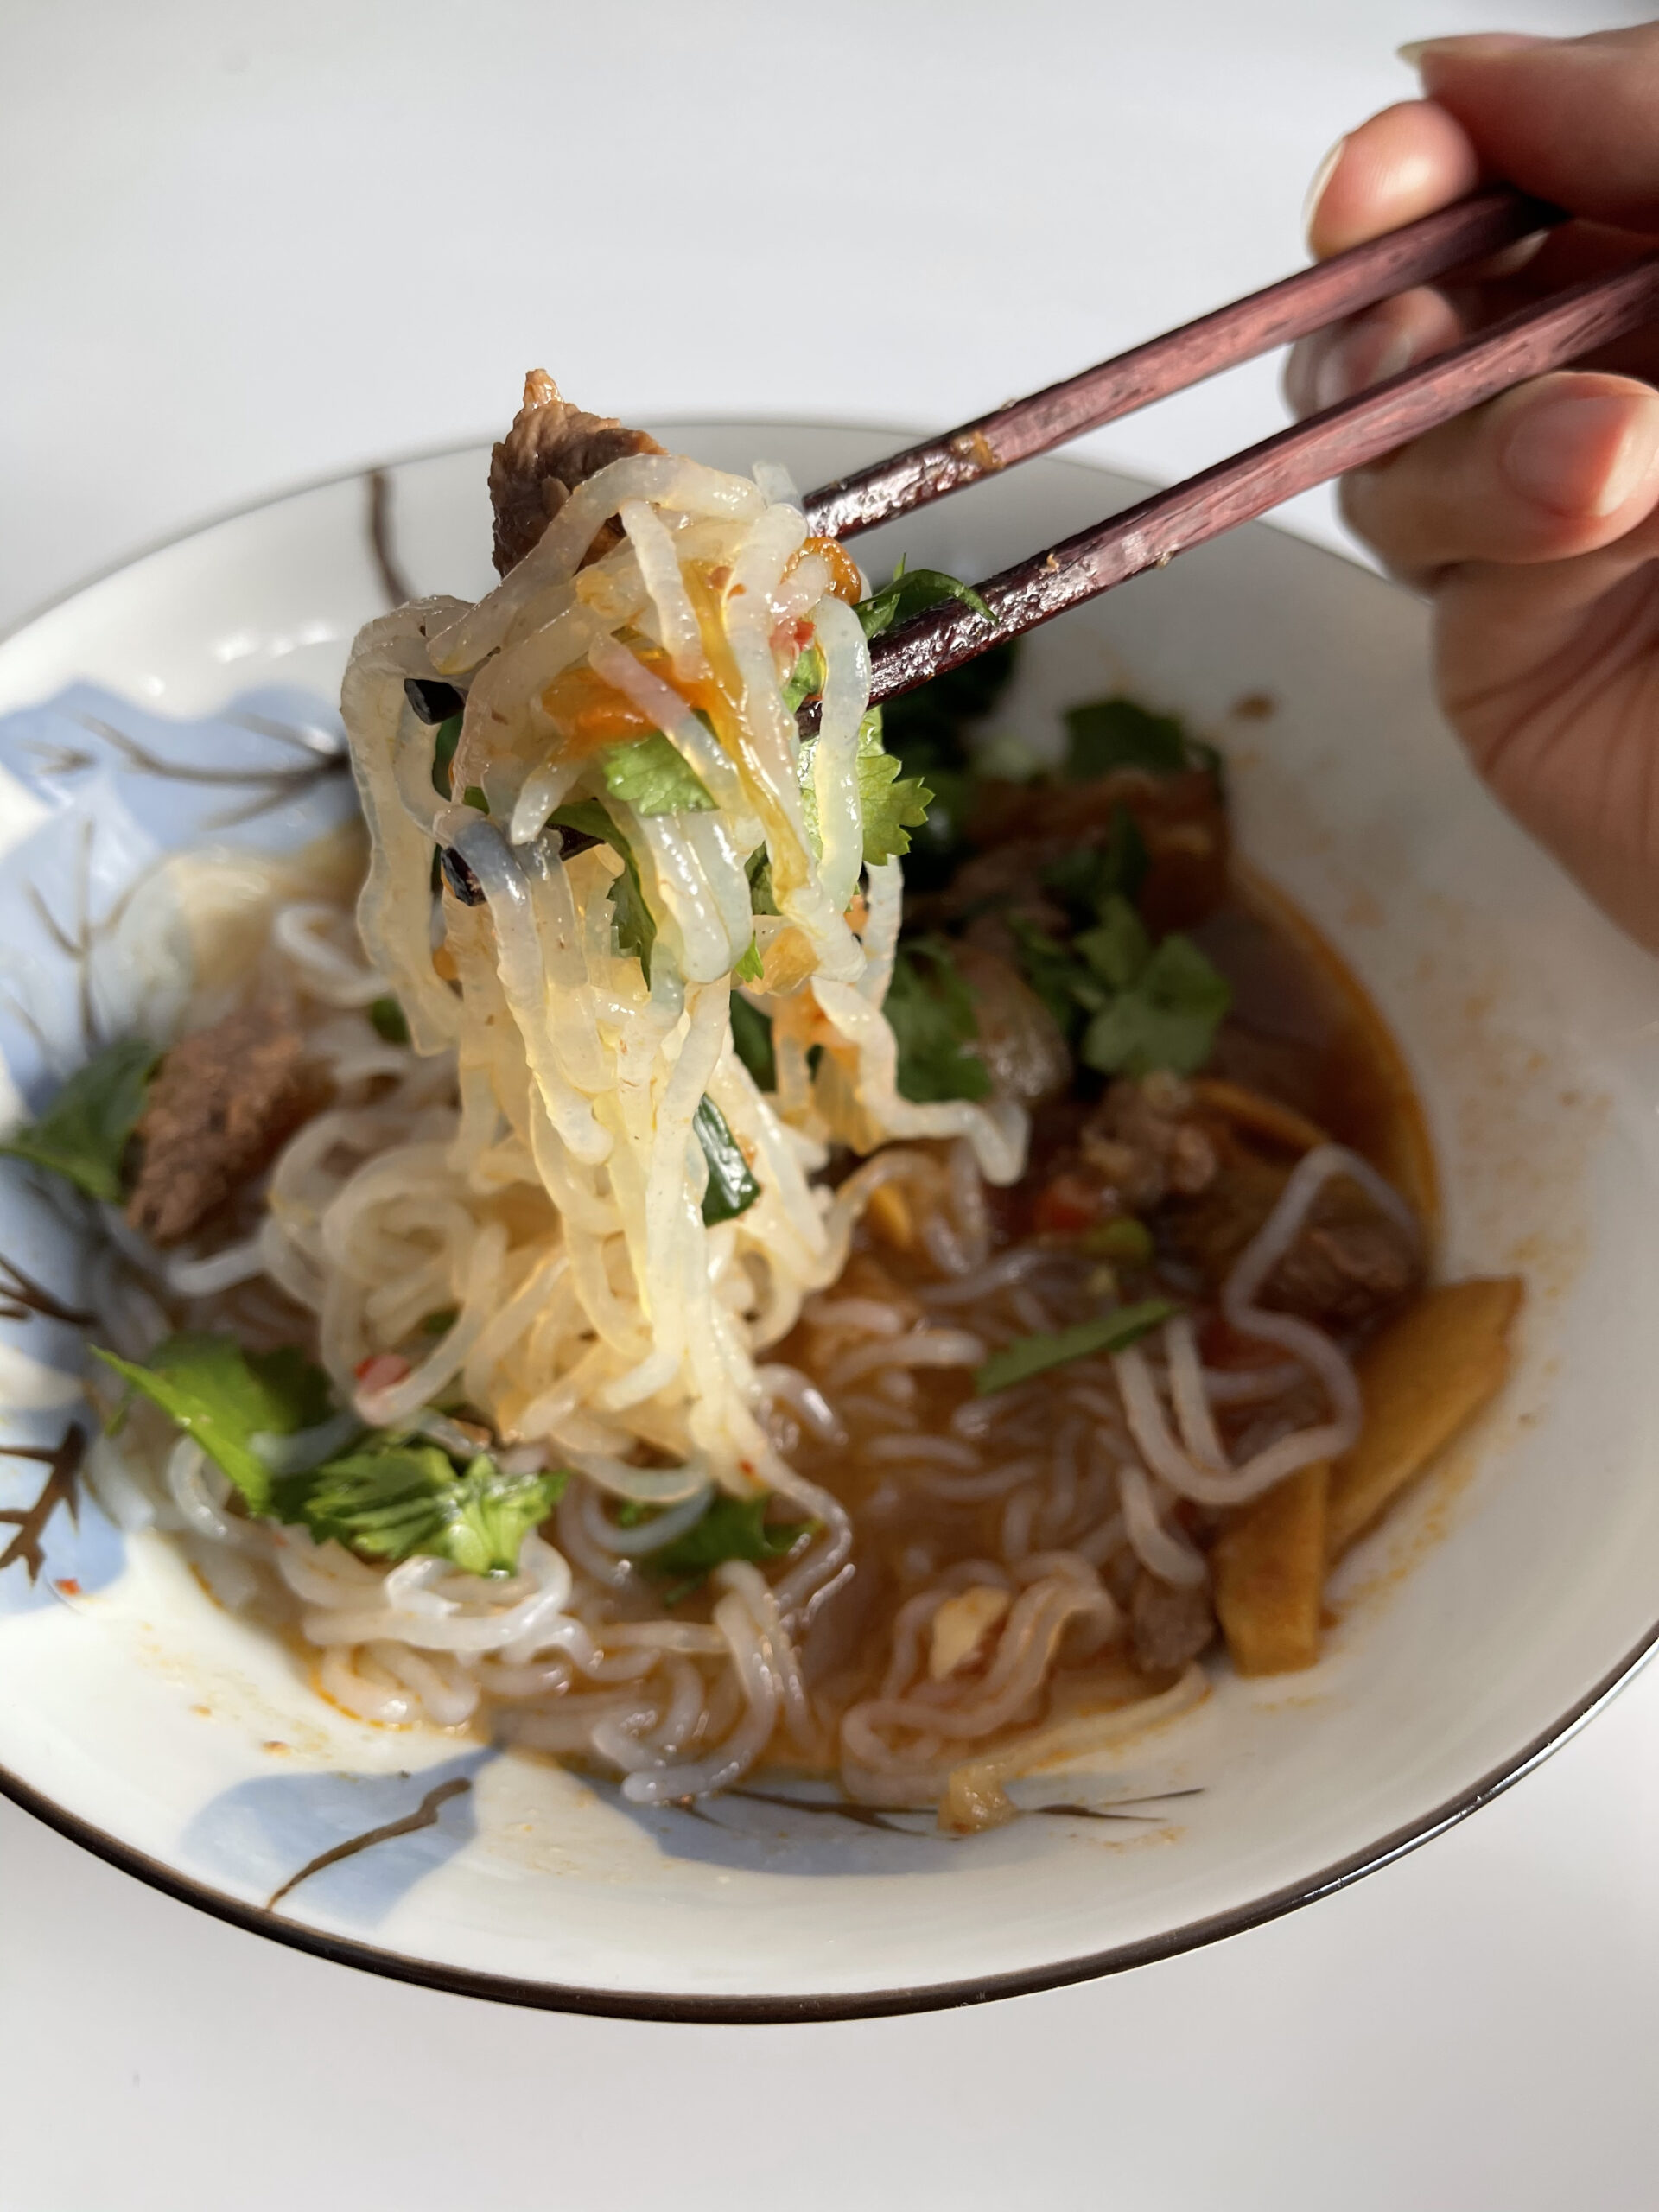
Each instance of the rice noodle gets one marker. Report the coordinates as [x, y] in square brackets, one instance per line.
[1170, 1557]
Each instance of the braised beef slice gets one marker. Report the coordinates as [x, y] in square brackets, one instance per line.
[1168, 1625]
[551, 447]
[220, 1104]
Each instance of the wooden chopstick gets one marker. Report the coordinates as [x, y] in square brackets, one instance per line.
[1291, 308]
[1545, 335]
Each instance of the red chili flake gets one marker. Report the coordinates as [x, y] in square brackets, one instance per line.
[381, 1369]
[1069, 1203]
[68, 1586]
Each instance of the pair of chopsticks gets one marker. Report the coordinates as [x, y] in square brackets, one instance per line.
[1545, 335]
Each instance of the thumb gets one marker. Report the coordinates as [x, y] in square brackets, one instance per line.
[1573, 120]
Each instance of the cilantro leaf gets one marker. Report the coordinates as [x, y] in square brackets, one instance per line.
[1150, 1008]
[443, 753]
[636, 925]
[1117, 947]
[889, 806]
[892, 804]
[752, 1042]
[653, 776]
[1088, 876]
[224, 1397]
[84, 1132]
[731, 1188]
[398, 1499]
[751, 968]
[911, 592]
[728, 1528]
[1167, 1019]
[805, 680]
[591, 818]
[1028, 1356]
[1052, 970]
[390, 1020]
[926, 730]
[758, 868]
[389, 1498]
[931, 1016]
[1103, 735]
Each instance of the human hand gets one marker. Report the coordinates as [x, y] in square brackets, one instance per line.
[1533, 521]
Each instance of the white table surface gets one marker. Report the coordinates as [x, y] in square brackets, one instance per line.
[248, 245]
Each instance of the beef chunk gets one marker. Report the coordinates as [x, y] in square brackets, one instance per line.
[551, 447]
[1142, 1145]
[1142, 1140]
[1351, 1265]
[1209, 1232]
[1349, 1268]
[1168, 1625]
[220, 1104]
[1020, 1039]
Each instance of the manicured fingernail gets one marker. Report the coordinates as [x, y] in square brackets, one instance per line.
[1322, 176]
[1368, 353]
[1582, 455]
[1475, 47]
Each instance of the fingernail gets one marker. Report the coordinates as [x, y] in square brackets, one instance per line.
[1368, 353]
[1476, 46]
[1582, 455]
[1322, 176]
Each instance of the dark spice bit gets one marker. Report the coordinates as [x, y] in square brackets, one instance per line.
[459, 877]
[432, 700]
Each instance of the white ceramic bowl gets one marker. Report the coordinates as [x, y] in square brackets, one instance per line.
[170, 1737]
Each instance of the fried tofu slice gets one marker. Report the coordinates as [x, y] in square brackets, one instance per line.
[1269, 1571]
[1425, 1375]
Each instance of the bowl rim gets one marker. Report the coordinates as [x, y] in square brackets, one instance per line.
[867, 2004]
[828, 2006]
